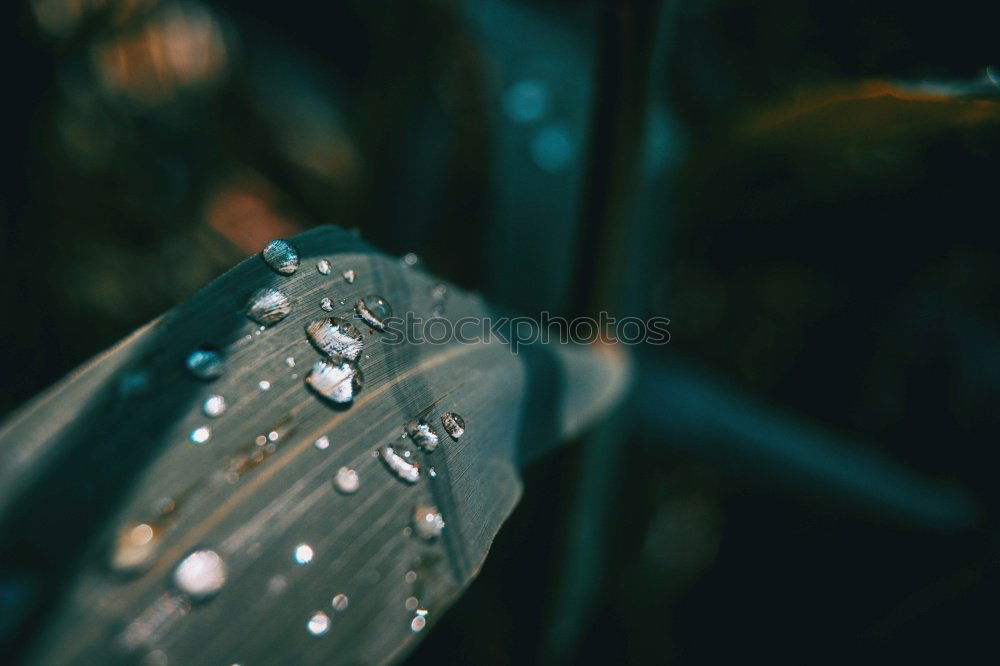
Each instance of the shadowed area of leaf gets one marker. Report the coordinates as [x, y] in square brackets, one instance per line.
[109, 447]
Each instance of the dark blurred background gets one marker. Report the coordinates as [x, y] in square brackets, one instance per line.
[807, 190]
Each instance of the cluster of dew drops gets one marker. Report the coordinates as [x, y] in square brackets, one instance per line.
[336, 378]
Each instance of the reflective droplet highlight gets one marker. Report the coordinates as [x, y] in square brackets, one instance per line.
[418, 623]
[410, 259]
[400, 461]
[336, 337]
[340, 602]
[214, 406]
[323, 266]
[264, 385]
[281, 256]
[134, 547]
[346, 480]
[336, 382]
[201, 434]
[422, 434]
[268, 306]
[318, 624]
[427, 522]
[349, 276]
[322, 443]
[206, 363]
[453, 424]
[303, 554]
[200, 575]
[326, 304]
[374, 310]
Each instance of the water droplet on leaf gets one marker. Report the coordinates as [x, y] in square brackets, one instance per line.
[349, 276]
[268, 306]
[303, 554]
[340, 602]
[134, 547]
[427, 522]
[281, 256]
[336, 381]
[454, 424]
[318, 624]
[326, 304]
[400, 461]
[322, 443]
[422, 434]
[346, 480]
[201, 434]
[206, 363]
[374, 310]
[336, 337]
[323, 266]
[214, 406]
[200, 575]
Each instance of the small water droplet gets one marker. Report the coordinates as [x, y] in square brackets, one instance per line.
[427, 522]
[201, 434]
[346, 480]
[277, 584]
[340, 602]
[322, 443]
[374, 310]
[281, 256]
[410, 577]
[273, 436]
[454, 424]
[418, 623]
[290, 361]
[399, 460]
[410, 259]
[411, 603]
[318, 624]
[200, 575]
[303, 554]
[336, 337]
[431, 472]
[335, 380]
[552, 149]
[349, 276]
[343, 301]
[323, 266]
[134, 547]
[422, 434]
[261, 440]
[326, 304]
[439, 291]
[206, 363]
[213, 406]
[267, 306]
[264, 385]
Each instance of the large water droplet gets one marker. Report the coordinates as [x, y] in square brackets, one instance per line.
[374, 310]
[326, 304]
[340, 602]
[303, 554]
[349, 276]
[427, 522]
[422, 434]
[200, 575]
[268, 306]
[335, 381]
[400, 461]
[214, 406]
[318, 624]
[336, 337]
[206, 363]
[454, 424]
[134, 547]
[346, 480]
[323, 266]
[281, 256]
[418, 623]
